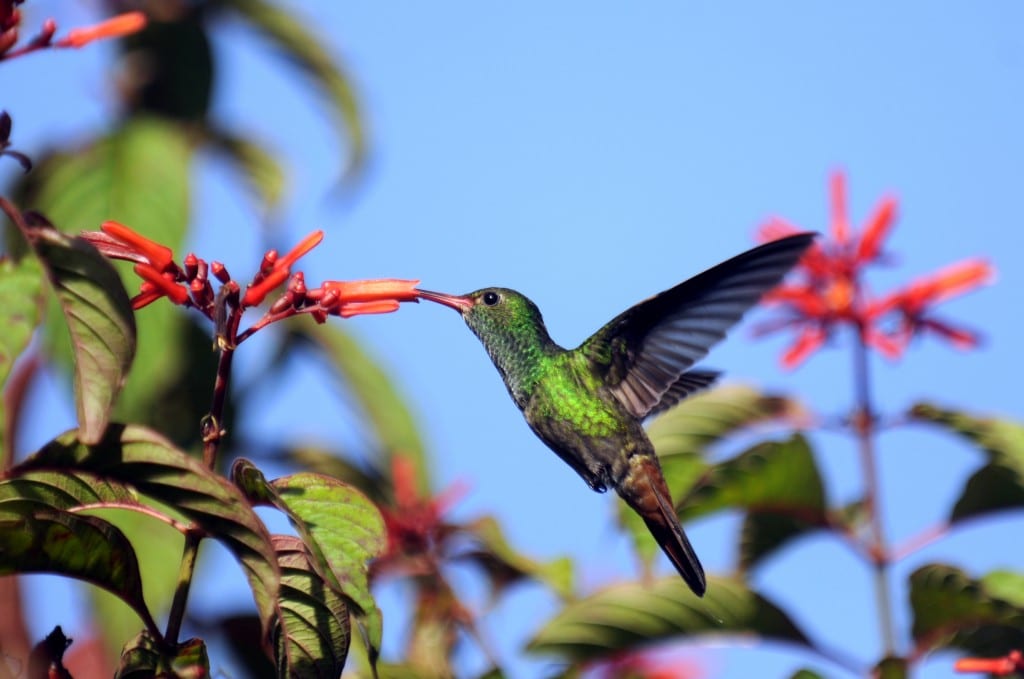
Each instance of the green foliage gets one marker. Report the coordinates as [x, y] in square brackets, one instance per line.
[999, 484]
[312, 632]
[143, 657]
[36, 537]
[684, 435]
[138, 174]
[340, 527]
[99, 318]
[628, 615]
[153, 467]
[984, 617]
[306, 51]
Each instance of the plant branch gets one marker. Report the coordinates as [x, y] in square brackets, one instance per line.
[212, 431]
[864, 424]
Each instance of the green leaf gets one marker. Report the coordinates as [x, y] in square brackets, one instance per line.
[997, 486]
[99, 318]
[375, 392]
[774, 476]
[625, 616]
[156, 469]
[312, 633]
[779, 486]
[260, 168]
[21, 305]
[951, 610]
[138, 175]
[682, 436]
[37, 538]
[143, 658]
[21, 299]
[504, 565]
[306, 51]
[67, 489]
[158, 546]
[342, 529]
[367, 478]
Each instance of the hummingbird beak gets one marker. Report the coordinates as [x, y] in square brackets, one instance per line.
[460, 304]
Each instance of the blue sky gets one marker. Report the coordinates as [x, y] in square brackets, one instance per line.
[590, 155]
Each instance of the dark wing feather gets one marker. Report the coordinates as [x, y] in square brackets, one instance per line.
[646, 350]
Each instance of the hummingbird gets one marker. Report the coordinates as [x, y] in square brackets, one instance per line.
[588, 404]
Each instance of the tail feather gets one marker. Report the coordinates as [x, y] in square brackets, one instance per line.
[646, 492]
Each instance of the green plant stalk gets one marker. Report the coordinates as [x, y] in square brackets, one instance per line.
[864, 421]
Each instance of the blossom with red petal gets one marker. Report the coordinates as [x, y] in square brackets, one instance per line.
[154, 263]
[644, 665]
[279, 271]
[831, 291]
[115, 27]
[415, 523]
[1011, 663]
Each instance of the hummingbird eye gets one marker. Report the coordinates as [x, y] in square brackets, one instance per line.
[491, 298]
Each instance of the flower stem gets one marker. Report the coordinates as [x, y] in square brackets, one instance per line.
[864, 427]
[212, 431]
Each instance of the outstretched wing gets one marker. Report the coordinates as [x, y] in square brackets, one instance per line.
[646, 350]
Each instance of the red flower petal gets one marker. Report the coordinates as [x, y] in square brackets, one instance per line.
[890, 347]
[809, 341]
[950, 281]
[961, 338]
[255, 294]
[381, 306]
[116, 27]
[175, 292]
[304, 246]
[840, 221]
[374, 289]
[160, 256]
[870, 245]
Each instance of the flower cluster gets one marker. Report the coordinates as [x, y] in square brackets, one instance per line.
[10, 20]
[832, 292]
[189, 284]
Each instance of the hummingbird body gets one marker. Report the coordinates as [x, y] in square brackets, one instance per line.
[588, 404]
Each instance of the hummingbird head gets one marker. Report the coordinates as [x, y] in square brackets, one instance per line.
[491, 312]
[510, 327]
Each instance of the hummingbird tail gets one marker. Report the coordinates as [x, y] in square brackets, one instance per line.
[646, 492]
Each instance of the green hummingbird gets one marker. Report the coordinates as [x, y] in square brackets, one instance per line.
[587, 404]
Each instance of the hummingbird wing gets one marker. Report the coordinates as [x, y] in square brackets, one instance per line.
[646, 350]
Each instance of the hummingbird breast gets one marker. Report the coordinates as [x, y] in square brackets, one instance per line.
[578, 418]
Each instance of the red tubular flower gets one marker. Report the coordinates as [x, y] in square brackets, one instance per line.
[280, 269]
[256, 293]
[374, 290]
[304, 246]
[160, 257]
[382, 306]
[1011, 663]
[914, 302]
[831, 290]
[115, 27]
[176, 292]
